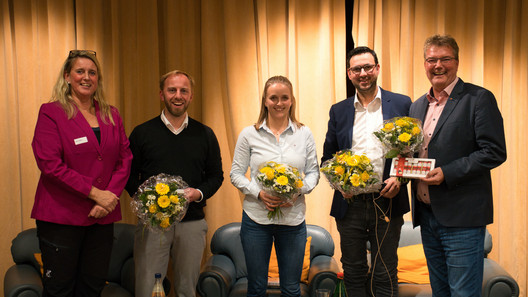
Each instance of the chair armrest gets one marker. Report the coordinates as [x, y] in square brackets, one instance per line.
[497, 282]
[22, 279]
[217, 277]
[128, 280]
[322, 273]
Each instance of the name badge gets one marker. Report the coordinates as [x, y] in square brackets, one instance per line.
[80, 140]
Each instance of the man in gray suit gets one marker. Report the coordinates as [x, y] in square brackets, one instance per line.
[464, 133]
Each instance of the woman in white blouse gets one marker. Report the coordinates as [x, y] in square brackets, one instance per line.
[277, 136]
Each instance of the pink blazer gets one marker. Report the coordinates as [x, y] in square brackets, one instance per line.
[71, 161]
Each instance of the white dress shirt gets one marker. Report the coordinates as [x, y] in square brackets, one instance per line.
[169, 125]
[296, 147]
[366, 122]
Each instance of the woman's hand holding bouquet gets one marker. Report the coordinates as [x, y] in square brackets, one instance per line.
[281, 185]
[351, 174]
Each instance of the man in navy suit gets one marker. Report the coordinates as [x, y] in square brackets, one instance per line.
[464, 133]
[358, 218]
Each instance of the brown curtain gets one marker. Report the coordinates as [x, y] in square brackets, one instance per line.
[231, 47]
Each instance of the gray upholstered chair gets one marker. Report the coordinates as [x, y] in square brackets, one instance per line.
[23, 279]
[225, 272]
[496, 283]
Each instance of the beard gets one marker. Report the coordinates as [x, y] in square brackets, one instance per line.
[174, 110]
[367, 86]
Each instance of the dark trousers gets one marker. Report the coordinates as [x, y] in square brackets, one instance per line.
[75, 258]
[364, 222]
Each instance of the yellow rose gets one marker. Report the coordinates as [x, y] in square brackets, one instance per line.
[341, 159]
[299, 183]
[281, 169]
[415, 130]
[163, 201]
[162, 188]
[354, 179]
[282, 180]
[352, 161]
[365, 176]
[339, 170]
[365, 159]
[153, 208]
[404, 137]
[174, 199]
[165, 223]
[267, 171]
[388, 127]
[401, 123]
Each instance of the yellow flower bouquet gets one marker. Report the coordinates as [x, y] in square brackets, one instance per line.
[280, 180]
[351, 174]
[400, 136]
[160, 202]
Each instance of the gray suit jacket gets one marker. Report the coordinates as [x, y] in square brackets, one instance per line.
[467, 143]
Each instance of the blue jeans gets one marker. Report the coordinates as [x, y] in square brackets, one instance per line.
[364, 222]
[455, 256]
[290, 242]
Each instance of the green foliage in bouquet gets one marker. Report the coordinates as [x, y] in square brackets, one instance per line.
[160, 202]
[280, 180]
[350, 173]
[400, 136]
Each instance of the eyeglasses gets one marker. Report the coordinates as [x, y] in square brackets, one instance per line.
[357, 70]
[444, 60]
[76, 53]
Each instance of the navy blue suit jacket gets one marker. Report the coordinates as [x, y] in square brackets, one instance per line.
[339, 137]
[467, 143]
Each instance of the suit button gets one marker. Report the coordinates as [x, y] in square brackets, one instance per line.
[99, 180]
[100, 158]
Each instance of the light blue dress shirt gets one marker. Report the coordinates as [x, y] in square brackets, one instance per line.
[296, 147]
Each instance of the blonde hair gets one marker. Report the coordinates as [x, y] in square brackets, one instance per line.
[264, 110]
[62, 90]
[164, 77]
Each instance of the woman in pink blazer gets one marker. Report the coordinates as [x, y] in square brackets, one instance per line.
[83, 154]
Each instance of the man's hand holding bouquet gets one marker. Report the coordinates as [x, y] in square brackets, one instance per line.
[351, 174]
[281, 184]
[160, 201]
[401, 137]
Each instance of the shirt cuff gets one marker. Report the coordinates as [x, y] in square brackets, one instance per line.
[201, 198]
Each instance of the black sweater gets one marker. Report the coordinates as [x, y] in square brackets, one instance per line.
[194, 154]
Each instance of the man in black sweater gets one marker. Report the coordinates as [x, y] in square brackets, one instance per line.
[175, 144]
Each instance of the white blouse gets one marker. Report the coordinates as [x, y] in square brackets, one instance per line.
[296, 147]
